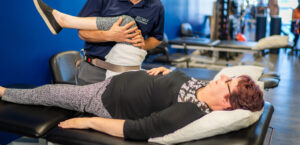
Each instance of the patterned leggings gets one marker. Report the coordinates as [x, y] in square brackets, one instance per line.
[105, 23]
[79, 98]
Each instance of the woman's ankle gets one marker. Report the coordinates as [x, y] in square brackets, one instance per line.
[59, 17]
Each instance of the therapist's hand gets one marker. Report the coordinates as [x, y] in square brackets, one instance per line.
[156, 71]
[139, 41]
[76, 123]
[119, 33]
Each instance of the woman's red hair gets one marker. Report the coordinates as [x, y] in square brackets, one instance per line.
[247, 95]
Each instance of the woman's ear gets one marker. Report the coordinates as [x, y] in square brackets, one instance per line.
[226, 102]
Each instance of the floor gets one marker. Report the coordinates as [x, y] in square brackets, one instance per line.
[286, 99]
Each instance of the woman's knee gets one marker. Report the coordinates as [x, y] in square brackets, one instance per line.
[127, 19]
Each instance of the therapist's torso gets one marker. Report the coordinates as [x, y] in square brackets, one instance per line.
[148, 14]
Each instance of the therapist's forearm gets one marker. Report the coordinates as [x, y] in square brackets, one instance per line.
[112, 127]
[151, 42]
[98, 36]
[95, 36]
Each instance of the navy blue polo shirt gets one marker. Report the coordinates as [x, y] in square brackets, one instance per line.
[148, 14]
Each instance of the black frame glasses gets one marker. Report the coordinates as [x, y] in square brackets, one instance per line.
[227, 82]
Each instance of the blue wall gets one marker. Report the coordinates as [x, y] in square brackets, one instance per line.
[26, 44]
[194, 12]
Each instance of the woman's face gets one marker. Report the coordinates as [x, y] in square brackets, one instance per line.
[222, 87]
[223, 83]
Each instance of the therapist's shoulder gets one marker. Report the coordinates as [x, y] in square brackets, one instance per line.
[96, 3]
[93, 8]
[156, 4]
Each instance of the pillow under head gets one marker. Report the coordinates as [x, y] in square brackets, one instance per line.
[214, 123]
[254, 72]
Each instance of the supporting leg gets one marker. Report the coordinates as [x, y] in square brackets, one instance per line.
[79, 98]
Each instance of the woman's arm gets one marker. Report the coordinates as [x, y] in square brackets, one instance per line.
[163, 122]
[157, 124]
[112, 127]
[150, 43]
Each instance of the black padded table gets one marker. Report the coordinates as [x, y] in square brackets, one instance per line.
[199, 73]
[253, 135]
[236, 44]
[41, 122]
[193, 41]
[30, 120]
[214, 45]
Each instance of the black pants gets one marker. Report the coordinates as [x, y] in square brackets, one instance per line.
[89, 74]
[296, 40]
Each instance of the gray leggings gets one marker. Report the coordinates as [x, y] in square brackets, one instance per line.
[105, 23]
[79, 98]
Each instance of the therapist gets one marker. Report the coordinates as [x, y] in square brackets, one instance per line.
[149, 17]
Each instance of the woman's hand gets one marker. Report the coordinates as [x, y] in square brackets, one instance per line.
[156, 71]
[77, 123]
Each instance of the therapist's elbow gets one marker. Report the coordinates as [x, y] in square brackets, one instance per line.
[93, 36]
[83, 35]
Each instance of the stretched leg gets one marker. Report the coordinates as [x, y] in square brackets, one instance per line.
[89, 23]
[56, 20]
[68, 21]
[80, 98]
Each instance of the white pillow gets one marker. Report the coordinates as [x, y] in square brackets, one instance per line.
[214, 123]
[275, 41]
[253, 71]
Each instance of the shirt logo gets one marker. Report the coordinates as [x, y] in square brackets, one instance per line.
[141, 20]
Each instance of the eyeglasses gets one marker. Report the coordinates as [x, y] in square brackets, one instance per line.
[227, 82]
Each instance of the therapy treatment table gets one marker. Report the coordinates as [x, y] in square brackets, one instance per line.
[216, 46]
[41, 122]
